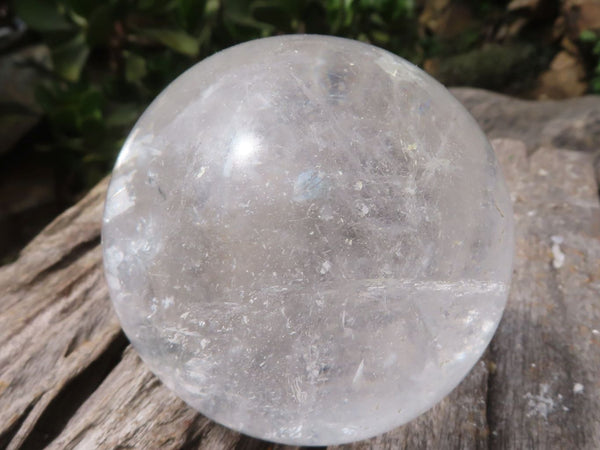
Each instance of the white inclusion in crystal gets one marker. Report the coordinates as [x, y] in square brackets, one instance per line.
[296, 387]
[363, 209]
[578, 388]
[138, 245]
[471, 316]
[196, 369]
[409, 72]
[127, 152]
[435, 165]
[458, 288]
[325, 213]
[460, 356]
[390, 360]
[390, 65]
[349, 431]
[325, 267]
[487, 326]
[292, 432]
[137, 147]
[112, 258]
[112, 281]
[210, 90]
[243, 149]
[120, 199]
[358, 375]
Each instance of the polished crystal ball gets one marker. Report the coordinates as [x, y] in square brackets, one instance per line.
[308, 239]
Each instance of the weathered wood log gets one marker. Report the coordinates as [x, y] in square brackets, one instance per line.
[561, 124]
[69, 380]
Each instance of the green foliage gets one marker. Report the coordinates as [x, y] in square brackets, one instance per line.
[593, 41]
[42, 16]
[111, 58]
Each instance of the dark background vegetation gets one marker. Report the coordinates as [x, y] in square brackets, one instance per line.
[75, 74]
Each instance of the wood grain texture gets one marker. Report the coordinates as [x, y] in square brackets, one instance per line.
[68, 378]
[545, 392]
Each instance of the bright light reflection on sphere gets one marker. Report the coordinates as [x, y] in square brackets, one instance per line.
[308, 239]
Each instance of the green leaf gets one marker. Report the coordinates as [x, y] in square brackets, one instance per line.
[275, 15]
[176, 40]
[90, 103]
[42, 15]
[380, 36]
[135, 67]
[101, 24]
[74, 144]
[94, 157]
[212, 7]
[587, 36]
[70, 57]
[376, 19]
[65, 119]
[290, 7]
[92, 128]
[236, 14]
[83, 7]
[123, 116]
[189, 12]
[248, 22]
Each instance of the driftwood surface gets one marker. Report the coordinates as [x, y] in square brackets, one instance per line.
[68, 378]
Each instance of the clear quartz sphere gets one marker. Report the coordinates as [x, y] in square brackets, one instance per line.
[308, 239]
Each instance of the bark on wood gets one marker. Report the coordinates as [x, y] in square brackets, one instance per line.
[69, 380]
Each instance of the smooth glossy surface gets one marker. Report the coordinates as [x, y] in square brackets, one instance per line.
[308, 239]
